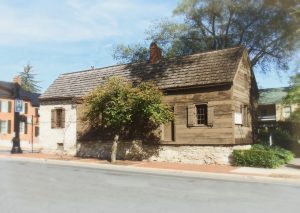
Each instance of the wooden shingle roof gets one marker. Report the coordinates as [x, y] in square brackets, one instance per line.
[214, 67]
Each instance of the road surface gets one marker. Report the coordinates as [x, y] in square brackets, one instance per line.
[42, 187]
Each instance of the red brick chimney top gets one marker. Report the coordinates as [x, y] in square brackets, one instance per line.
[155, 53]
[17, 79]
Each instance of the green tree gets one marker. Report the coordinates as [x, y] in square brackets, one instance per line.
[267, 28]
[119, 105]
[28, 79]
[293, 97]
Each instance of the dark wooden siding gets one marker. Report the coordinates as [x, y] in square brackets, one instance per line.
[241, 96]
[218, 97]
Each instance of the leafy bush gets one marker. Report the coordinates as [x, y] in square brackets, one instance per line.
[262, 156]
[286, 155]
[259, 147]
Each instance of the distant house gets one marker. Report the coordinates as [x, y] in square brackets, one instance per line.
[28, 133]
[212, 94]
[270, 106]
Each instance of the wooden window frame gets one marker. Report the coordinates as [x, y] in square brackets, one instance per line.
[58, 118]
[198, 107]
[245, 115]
[193, 117]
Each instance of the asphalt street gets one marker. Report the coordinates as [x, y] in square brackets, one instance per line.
[42, 187]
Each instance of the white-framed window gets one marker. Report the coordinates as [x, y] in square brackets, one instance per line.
[5, 106]
[24, 108]
[287, 111]
[23, 127]
[3, 127]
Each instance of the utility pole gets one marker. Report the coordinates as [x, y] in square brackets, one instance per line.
[16, 148]
[32, 133]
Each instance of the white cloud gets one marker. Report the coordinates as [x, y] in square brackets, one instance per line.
[74, 20]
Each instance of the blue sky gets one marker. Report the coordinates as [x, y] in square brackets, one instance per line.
[58, 36]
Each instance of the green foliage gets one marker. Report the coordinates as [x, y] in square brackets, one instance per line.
[284, 154]
[128, 53]
[29, 83]
[257, 158]
[120, 106]
[293, 97]
[267, 28]
[262, 156]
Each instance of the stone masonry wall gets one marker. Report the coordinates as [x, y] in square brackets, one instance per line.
[135, 150]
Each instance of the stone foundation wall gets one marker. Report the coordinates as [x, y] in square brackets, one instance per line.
[136, 150]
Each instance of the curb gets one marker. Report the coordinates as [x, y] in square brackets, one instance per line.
[250, 178]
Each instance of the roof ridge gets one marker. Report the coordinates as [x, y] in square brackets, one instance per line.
[143, 62]
[270, 88]
[199, 69]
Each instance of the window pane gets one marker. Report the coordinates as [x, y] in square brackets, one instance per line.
[59, 118]
[22, 127]
[4, 106]
[3, 127]
[23, 108]
[286, 112]
[201, 114]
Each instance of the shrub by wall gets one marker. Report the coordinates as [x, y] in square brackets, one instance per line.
[262, 156]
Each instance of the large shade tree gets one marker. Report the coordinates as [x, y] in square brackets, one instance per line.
[268, 28]
[122, 107]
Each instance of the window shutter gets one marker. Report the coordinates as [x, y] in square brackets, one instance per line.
[63, 118]
[37, 132]
[26, 108]
[210, 115]
[9, 126]
[25, 127]
[53, 118]
[9, 106]
[245, 115]
[191, 115]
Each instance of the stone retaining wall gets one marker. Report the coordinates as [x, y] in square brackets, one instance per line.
[136, 150]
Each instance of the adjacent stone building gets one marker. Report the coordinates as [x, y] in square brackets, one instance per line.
[212, 94]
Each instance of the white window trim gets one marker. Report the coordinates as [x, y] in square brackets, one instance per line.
[289, 112]
[4, 106]
[22, 127]
[5, 127]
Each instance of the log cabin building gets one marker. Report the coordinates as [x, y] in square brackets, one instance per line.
[212, 94]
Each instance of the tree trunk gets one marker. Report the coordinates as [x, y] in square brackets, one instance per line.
[114, 149]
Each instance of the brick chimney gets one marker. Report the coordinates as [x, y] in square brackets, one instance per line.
[155, 53]
[17, 79]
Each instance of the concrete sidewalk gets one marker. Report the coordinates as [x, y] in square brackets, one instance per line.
[288, 172]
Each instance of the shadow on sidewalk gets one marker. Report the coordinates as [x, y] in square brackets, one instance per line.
[293, 166]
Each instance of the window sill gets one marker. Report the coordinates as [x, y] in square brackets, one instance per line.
[200, 126]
